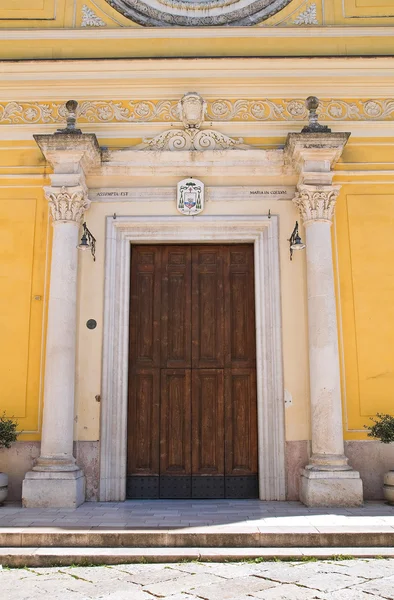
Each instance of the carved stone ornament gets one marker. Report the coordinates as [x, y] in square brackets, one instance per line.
[196, 13]
[67, 204]
[190, 196]
[191, 139]
[90, 19]
[192, 109]
[316, 203]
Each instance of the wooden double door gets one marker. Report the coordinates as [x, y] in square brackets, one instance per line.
[192, 416]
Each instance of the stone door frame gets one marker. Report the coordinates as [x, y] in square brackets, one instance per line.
[262, 231]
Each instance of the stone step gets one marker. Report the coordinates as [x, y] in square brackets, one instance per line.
[47, 557]
[203, 537]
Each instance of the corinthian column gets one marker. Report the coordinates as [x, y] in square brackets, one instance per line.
[56, 480]
[328, 480]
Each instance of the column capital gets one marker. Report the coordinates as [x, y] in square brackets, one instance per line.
[67, 204]
[316, 202]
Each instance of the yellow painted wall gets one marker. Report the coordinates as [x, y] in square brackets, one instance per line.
[365, 250]
[23, 248]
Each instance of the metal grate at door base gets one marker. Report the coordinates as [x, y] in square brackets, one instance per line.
[208, 487]
[142, 487]
[176, 487]
[242, 487]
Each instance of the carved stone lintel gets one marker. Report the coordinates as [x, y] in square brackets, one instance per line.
[67, 205]
[316, 203]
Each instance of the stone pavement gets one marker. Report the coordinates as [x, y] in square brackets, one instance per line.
[241, 515]
[325, 580]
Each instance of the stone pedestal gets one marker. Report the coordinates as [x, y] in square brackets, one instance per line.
[328, 480]
[53, 489]
[331, 488]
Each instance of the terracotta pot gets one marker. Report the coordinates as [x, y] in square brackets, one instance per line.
[4, 487]
[388, 487]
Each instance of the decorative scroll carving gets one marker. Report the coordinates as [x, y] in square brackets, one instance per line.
[191, 139]
[90, 19]
[67, 204]
[218, 110]
[316, 203]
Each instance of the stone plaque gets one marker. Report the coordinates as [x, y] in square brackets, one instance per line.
[197, 13]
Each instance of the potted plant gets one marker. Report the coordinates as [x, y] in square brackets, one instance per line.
[383, 430]
[8, 436]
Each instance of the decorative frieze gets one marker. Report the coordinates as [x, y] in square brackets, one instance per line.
[217, 110]
[67, 204]
[316, 203]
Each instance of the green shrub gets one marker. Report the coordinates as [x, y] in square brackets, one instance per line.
[8, 433]
[383, 428]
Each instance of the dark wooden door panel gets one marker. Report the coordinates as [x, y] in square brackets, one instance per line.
[239, 307]
[208, 307]
[192, 415]
[176, 307]
[143, 420]
[145, 306]
[207, 422]
[175, 422]
[240, 422]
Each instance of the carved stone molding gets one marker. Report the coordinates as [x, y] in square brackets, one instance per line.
[316, 203]
[191, 139]
[67, 204]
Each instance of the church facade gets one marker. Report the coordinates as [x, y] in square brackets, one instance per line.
[228, 168]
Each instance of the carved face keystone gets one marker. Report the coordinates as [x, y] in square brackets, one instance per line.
[197, 13]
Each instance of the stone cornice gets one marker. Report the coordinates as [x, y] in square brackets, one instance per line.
[339, 78]
[304, 148]
[70, 153]
[198, 32]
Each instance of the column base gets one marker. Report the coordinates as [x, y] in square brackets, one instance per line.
[331, 488]
[43, 489]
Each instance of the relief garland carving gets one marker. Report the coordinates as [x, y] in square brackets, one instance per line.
[140, 111]
[67, 204]
[90, 19]
[307, 17]
[316, 203]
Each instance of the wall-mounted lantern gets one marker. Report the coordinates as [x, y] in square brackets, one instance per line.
[295, 241]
